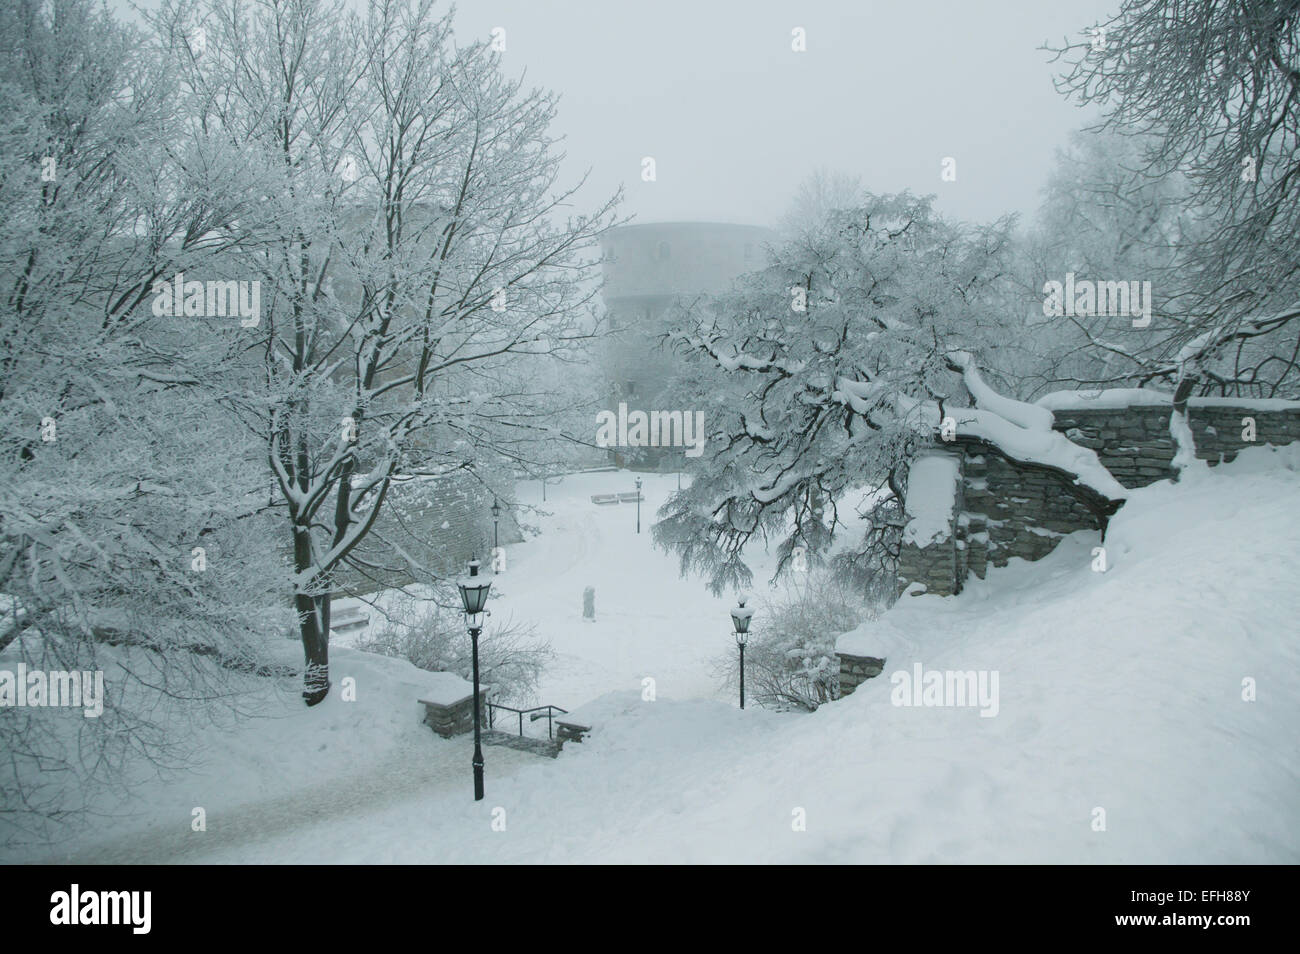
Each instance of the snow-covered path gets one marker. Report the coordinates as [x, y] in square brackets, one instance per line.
[1145, 715]
[412, 773]
[650, 623]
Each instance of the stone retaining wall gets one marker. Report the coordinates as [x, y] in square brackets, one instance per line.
[855, 670]
[1134, 442]
[1014, 511]
[1008, 509]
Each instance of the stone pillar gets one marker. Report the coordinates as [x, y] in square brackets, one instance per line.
[935, 562]
[449, 719]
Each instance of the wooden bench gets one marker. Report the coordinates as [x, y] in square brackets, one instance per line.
[604, 500]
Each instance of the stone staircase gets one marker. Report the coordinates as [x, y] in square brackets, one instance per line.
[546, 747]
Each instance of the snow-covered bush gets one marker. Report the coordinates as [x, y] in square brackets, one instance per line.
[510, 656]
[790, 660]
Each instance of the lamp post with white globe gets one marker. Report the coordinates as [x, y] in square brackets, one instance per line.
[740, 617]
[474, 595]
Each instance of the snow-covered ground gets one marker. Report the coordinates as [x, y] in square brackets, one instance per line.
[650, 623]
[1120, 691]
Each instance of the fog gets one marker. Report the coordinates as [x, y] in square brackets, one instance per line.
[735, 118]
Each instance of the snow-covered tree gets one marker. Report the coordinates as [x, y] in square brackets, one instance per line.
[412, 248]
[1212, 88]
[127, 512]
[1104, 219]
[790, 661]
[825, 368]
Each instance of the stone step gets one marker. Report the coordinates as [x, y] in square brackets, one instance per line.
[522, 743]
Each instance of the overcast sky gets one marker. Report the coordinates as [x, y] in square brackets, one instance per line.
[734, 118]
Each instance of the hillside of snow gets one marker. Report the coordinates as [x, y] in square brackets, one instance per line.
[1120, 691]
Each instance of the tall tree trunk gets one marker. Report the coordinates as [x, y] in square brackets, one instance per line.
[313, 626]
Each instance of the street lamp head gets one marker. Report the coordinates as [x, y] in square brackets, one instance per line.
[638, 483]
[740, 617]
[496, 509]
[474, 590]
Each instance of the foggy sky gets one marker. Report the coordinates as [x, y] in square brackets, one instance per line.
[735, 119]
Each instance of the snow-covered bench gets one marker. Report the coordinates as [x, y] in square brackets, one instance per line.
[345, 618]
[572, 727]
[604, 500]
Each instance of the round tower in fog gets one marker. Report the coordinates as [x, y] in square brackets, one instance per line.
[648, 267]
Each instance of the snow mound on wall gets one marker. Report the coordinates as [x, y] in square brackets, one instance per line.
[1032, 417]
[1049, 448]
[931, 499]
[882, 638]
[445, 688]
[1024, 432]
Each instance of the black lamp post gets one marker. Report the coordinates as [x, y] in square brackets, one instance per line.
[638, 505]
[496, 546]
[474, 594]
[740, 616]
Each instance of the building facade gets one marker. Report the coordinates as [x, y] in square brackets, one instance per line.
[646, 269]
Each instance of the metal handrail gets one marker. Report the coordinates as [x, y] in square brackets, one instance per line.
[535, 713]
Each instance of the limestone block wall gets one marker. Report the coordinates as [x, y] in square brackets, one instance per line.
[1015, 511]
[1135, 445]
[450, 720]
[855, 670]
[1008, 509]
[1003, 509]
